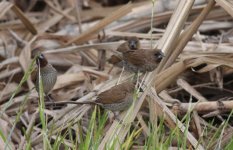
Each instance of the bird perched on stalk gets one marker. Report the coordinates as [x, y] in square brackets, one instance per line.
[47, 72]
[117, 98]
[132, 43]
[142, 60]
[134, 58]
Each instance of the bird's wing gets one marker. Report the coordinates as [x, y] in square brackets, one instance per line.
[112, 96]
[114, 59]
[123, 47]
[136, 57]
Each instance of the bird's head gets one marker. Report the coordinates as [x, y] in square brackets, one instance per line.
[159, 55]
[40, 58]
[133, 43]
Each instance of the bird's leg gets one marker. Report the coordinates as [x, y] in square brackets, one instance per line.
[116, 117]
[48, 96]
[111, 116]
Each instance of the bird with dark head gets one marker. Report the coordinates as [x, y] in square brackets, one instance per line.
[117, 98]
[41, 61]
[132, 43]
[142, 60]
[47, 71]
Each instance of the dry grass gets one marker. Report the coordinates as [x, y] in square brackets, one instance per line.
[187, 100]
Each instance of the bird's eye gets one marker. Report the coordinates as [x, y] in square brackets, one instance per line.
[159, 54]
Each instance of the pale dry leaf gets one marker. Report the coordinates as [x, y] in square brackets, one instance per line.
[69, 79]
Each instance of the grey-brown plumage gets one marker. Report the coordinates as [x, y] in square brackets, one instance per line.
[142, 60]
[118, 98]
[131, 43]
[48, 74]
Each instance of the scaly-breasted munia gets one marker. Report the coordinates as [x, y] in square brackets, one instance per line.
[142, 60]
[117, 98]
[48, 73]
[132, 43]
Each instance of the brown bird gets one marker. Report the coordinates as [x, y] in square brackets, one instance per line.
[142, 60]
[117, 98]
[132, 43]
[48, 74]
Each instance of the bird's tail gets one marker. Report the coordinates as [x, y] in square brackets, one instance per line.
[70, 102]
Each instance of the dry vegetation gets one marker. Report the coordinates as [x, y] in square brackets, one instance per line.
[187, 100]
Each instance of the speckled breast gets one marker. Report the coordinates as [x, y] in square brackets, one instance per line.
[49, 78]
[119, 106]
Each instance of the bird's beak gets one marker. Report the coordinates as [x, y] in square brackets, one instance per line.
[133, 46]
[141, 90]
[161, 54]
